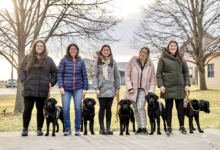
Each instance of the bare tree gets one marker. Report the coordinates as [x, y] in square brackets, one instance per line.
[186, 21]
[57, 22]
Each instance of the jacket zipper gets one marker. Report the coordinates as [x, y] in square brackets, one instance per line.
[74, 76]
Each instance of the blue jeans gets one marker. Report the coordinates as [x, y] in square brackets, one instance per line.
[77, 99]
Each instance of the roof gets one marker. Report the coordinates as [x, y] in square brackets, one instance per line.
[185, 43]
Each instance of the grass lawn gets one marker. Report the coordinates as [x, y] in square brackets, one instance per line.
[12, 122]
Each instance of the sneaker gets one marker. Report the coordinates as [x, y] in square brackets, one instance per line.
[24, 132]
[139, 131]
[39, 132]
[145, 131]
[77, 132]
[183, 130]
[169, 130]
[67, 132]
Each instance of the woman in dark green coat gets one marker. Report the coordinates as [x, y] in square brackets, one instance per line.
[173, 80]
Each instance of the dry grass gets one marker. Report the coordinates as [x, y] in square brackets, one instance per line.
[12, 122]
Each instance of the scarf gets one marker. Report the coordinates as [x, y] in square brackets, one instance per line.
[106, 62]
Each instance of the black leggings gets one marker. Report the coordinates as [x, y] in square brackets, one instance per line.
[180, 111]
[28, 107]
[105, 104]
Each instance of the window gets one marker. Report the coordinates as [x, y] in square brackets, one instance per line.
[210, 70]
[190, 72]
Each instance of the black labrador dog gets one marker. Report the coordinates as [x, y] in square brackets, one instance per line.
[52, 114]
[88, 114]
[155, 109]
[126, 113]
[198, 105]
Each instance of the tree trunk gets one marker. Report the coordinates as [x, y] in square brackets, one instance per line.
[202, 76]
[19, 104]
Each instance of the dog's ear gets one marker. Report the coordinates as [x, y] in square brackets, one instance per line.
[93, 101]
[129, 102]
[156, 97]
[202, 103]
[85, 100]
[45, 102]
[121, 102]
[55, 101]
[147, 98]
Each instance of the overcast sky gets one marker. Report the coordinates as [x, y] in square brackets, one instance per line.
[130, 10]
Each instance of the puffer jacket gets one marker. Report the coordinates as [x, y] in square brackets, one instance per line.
[173, 75]
[133, 78]
[36, 81]
[107, 88]
[72, 75]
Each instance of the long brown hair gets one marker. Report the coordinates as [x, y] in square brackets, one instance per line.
[178, 54]
[32, 56]
[100, 54]
[68, 51]
[148, 52]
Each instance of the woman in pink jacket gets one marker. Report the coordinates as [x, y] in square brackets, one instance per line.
[140, 80]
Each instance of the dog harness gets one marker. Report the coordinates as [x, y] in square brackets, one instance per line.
[58, 112]
[160, 106]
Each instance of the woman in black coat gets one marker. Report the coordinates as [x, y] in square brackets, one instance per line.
[37, 72]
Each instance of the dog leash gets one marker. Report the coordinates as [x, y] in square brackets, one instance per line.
[187, 98]
[116, 116]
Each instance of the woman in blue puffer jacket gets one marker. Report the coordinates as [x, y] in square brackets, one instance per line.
[73, 81]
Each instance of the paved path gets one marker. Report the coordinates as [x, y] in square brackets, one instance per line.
[210, 140]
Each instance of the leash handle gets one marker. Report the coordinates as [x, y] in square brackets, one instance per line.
[187, 98]
[116, 116]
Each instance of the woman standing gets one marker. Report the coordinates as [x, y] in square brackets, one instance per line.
[37, 72]
[106, 82]
[73, 81]
[173, 80]
[140, 80]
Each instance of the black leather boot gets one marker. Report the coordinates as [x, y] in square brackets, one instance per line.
[24, 132]
[110, 132]
[39, 131]
[102, 129]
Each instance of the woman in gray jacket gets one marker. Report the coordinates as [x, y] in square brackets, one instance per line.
[106, 82]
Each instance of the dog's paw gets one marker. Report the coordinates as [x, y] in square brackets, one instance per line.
[57, 131]
[134, 130]
[46, 134]
[151, 133]
[200, 131]
[191, 132]
[127, 133]
[85, 133]
[121, 134]
[193, 129]
[53, 135]
[159, 133]
[92, 133]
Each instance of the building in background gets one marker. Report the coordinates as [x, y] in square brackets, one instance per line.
[212, 70]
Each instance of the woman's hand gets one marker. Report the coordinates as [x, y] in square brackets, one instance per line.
[186, 88]
[132, 91]
[116, 92]
[162, 89]
[62, 91]
[97, 92]
[84, 93]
